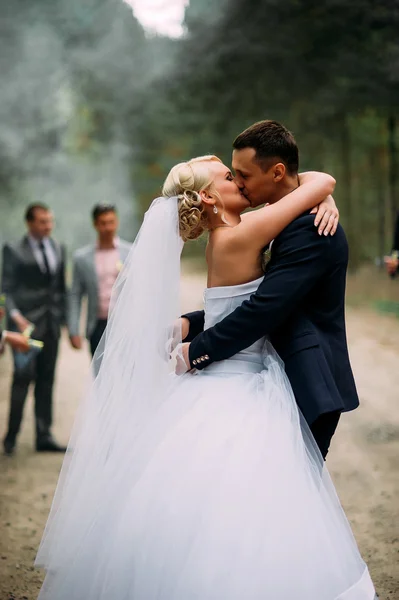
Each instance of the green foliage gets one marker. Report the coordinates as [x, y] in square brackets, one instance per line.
[72, 87]
[92, 107]
[328, 70]
[387, 307]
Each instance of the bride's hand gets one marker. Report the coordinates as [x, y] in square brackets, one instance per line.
[327, 216]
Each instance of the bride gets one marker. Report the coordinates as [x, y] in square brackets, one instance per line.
[206, 486]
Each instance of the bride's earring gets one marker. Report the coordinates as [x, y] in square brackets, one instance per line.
[215, 209]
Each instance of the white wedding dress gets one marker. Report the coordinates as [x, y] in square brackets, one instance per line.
[224, 498]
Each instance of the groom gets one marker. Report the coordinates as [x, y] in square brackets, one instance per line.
[300, 302]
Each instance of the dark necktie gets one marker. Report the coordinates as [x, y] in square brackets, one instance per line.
[45, 259]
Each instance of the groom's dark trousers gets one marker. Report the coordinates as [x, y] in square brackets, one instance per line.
[300, 306]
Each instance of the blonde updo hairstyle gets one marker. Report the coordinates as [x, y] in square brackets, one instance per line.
[186, 180]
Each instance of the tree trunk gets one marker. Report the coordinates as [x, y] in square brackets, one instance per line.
[392, 157]
[380, 190]
[347, 194]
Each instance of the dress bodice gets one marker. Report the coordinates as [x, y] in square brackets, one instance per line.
[222, 301]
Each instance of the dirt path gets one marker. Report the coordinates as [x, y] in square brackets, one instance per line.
[364, 459]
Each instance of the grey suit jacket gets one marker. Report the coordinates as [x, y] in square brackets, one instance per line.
[40, 299]
[84, 284]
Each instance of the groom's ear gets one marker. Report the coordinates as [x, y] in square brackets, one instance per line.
[279, 171]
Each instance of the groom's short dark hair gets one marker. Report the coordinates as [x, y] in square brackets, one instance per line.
[271, 141]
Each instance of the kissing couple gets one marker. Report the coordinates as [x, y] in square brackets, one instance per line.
[211, 485]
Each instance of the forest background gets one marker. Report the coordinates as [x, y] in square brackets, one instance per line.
[95, 109]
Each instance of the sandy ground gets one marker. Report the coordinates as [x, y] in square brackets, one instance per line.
[364, 458]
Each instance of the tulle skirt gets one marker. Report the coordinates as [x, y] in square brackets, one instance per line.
[223, 496]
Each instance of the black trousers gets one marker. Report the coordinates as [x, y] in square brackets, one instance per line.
[40, 370]
[323, 429]
[97, 335]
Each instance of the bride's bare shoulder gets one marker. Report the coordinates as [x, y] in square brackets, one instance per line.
[252, 214]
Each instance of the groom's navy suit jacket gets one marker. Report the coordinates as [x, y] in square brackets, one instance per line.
[300, 306]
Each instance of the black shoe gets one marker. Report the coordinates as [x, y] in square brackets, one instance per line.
[48, 444]
[9, 447]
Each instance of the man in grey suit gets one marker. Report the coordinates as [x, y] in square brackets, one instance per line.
[95, 269]
[34, 284]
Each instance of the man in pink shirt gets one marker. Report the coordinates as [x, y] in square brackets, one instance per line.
[95, 269]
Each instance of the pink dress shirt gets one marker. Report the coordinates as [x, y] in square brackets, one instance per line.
[107, 268]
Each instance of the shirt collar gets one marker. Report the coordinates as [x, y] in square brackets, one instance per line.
[34, 242]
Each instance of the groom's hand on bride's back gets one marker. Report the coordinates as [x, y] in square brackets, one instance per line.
[181, 329]
[182, 359]
[171, 348]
